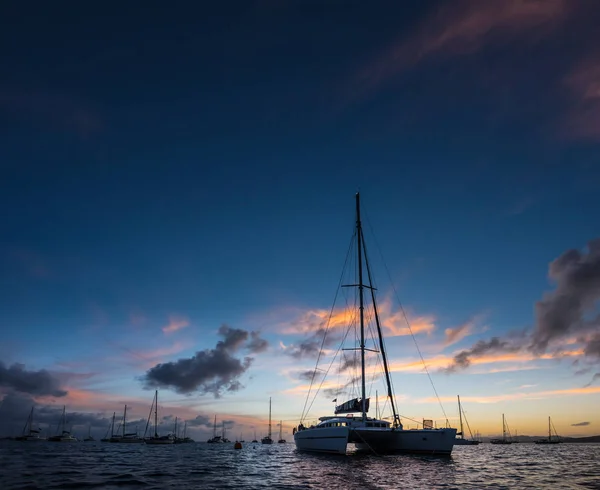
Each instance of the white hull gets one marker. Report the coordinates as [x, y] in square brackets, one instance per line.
[423, 441]
[323, 439]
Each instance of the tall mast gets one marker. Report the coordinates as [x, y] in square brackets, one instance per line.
[503, 429]
[549, 431]
[124, 419]
[269, 417]
[361, 307]
[215, 427]
[112, 427]
[380, 335]
[460, 416]
[156, 413]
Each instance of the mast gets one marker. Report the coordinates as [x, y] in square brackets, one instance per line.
[112, 427]
[380, 335]
[460, 416]
[215, 427]
[184, 428]
[503, 429]
[280, 429]
[549, 431]
[124, 419]
[269, 417]
[156, 413]
[361, 307]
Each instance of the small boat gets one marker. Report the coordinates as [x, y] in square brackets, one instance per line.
[126, 437]
[89, 437]
[460, 436]
[267, 439]
[334, 433]
[505, 439]
[215, 439]
[254, 440]
[63, 434]
[550, 440]
[156, 439]
[184, 439]
[281, 439]
[29, 433]
[223, 432]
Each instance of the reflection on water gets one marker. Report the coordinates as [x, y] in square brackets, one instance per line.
[186, 466]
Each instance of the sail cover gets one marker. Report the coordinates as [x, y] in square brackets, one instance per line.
[352, 406]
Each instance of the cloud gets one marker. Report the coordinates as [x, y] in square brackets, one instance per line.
[208, 371]
[175, 324]
[464, 27]
[463, 359]
[456, 334]
[565, 310]
[200, 421]
[583, 83]
[594, 378]
[580, 424]
[308, 375]
[41, 382]
[256, 344]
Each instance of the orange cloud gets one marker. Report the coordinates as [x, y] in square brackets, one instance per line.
[456, 334]
[175, 324]
[590, 390]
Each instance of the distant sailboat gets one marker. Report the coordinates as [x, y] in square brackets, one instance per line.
[224, 438]
[126, 437]
[281, 439]
[550, 440]
[156, 439]
[63, 434]
[29, 433]
[267, 439]
[89, 437]
[461, 441]
[215, 439]
[504, 440]
[254, 440]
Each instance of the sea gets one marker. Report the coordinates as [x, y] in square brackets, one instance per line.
[96, 465]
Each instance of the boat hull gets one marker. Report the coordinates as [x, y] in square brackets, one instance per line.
[465, 442]
[323, 439]
[423, 441]
[159, 441]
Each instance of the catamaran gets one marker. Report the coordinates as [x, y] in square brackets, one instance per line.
[505, 439]
[267, 439]
[460, 436]
[156, 439]
[550, 440]
[332, 434]
[29, 433]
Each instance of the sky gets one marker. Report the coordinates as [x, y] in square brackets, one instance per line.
[177, 188]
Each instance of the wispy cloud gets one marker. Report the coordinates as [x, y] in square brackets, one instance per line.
[580, 424]
[456, 334]
[462, 27]
[175, 324]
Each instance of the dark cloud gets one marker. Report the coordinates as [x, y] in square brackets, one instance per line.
[209, 371]
[200, 421]
[256, 345]
[580, 424]
[311, 347]
[463, 359]
[41, 382]
[348, 363]
[335, 392]
[308, 375]
[564, 311]
[593, 380]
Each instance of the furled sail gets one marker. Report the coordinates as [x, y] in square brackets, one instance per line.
[352, 406]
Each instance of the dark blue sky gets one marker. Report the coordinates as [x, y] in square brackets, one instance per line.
[201, 160]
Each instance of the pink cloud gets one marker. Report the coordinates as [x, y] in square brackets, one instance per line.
[583, 120]
[456, 334]
[175, 324]
[463, 27]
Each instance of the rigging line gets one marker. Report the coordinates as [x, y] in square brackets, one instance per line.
[406, 318]
[326, 329]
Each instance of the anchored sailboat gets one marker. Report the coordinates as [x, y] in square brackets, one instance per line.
[267, 439]
[156, 439]
[550, 440]
[460, 436]
[126, 437]
[215, 439]
[281, 439]
[505, 439]
[63, 434]
[333, 433]
[29, 433]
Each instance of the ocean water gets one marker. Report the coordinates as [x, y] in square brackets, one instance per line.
[187, 466]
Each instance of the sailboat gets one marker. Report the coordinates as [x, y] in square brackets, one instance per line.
[223, 437]
[63, 434]
[504, 440]
[215, 439]
[156, 439]
[267, 439]
[89, 437]
[29, 433]
[333, 433]
[550, 440]
[281, 439]
[460, 439]
[254, 440]
[126, 437]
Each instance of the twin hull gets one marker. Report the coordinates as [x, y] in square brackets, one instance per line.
[335, 440]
